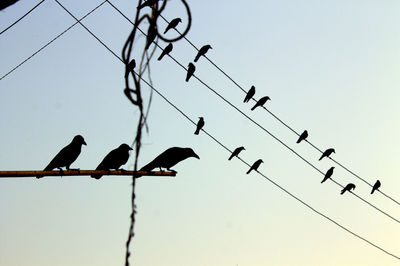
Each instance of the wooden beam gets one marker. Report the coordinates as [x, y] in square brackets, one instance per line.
[33, 173]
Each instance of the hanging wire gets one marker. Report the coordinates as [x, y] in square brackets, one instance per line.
[282, 122]
[33, 8]
[227, 149]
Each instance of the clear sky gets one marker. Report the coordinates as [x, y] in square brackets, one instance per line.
[331, 67]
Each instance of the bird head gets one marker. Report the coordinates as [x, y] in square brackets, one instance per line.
[191, 153]
[124, 147]
[208, 46]
[268, 98]
[201, 118]
[79, 140]
[179, 20]
[333, 150]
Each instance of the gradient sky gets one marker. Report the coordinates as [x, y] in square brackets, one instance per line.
[331, 67]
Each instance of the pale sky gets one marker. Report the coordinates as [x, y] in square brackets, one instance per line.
[331, 67]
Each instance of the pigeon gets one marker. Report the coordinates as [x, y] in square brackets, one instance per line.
[172, 24]
[151, 34]
[376, 186]
[190, 71]
[261, 102]
[114, 159]
[250, 94]
[203, 50]
[199, 126]
[166, 51]
[303, 136]
[327, 153]
[169, 158]
[348, 187]
[67, 155]
[328, 174]
[148, 3]
[236, 152]
[255, 166]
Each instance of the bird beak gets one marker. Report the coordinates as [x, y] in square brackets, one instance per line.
[84, 143]
[196, 156]
[130, 148]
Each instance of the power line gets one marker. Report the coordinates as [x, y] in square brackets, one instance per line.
[274, 183]
[47, 44]
[33, 8]
[281, 121]
[261, 127]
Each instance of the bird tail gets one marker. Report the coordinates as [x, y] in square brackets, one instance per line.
[197, 58]
[248, 172]
[298, 141]
[147, 167]
[322, 156]
[161, 56]
[230, 157]
[197, 131]
[187, 78]
[373, 190]
[254, 107]
[343, 190]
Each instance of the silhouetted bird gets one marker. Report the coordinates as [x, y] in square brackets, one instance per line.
[199, 126]
[255, 166]
[7, 3]
[376, 186]
[328, 174]
[151, 34]
[250, 94]
[348, 187]
[261, 102]
[327, 153]
[303, 136]
[191, 69]
[172, 24]
[148, 3]
[236, 152]
[114, 159]
[203, 50]
[169, 158]
[166, 51]
[67, 155]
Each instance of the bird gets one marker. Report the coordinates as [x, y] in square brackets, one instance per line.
[199, 126]
[261, 102]
[169, 158]
[348, 187]
[166, 51]
[203, 50]
[67, 155]
[114, 159]
[148, 3]
[250, 94]
[328, 174]
[303, 136]
[190, 71]
[236, 152]
[173, 23]
[151, 34]
[327, 153]
[376, 186]
[255, 166]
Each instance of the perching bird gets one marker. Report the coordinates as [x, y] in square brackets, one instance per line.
[236, 152]
[67, 155]
[255, 166]
[199, 126]
[328, 174]
[148, 3]
[303, 136]
[166, 51]
[191, 69]
[114, 159]
[250, 94]
[173, 24]
[376, 186]
[348, 187]
[203, 50]
[151, 34]
[169, 158]
[327, 153]
[261, 102]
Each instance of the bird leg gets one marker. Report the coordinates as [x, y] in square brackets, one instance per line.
[61, 171]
